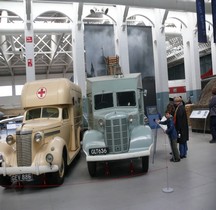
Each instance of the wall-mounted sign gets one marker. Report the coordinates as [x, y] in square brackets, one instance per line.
[29, 39]
[29, 62]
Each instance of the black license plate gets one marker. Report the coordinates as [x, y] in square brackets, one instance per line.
[98, 151]
[21, 178]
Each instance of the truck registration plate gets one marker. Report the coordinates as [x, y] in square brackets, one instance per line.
[21, 178]
[98, 151]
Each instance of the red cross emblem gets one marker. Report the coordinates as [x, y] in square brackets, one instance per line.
[41, 92]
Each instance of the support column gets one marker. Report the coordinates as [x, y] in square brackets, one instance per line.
[213, 55]
[160, 62]
[121, 39]
[29, 42]
[191, 60]
[78, 50]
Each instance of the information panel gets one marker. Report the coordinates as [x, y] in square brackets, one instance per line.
[199, 114]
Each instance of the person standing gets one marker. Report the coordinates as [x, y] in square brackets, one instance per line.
[212, 111]
[181, 125]
[171, 132]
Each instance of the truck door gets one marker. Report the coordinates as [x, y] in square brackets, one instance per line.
[66, 125]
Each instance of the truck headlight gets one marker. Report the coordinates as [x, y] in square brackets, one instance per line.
[146, 121]
[49, 158]
[10, 139]
[101, 123]
[38, 137]
[130, 118]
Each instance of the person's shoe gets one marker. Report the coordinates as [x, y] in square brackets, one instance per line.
[212, 141]
[172, 160]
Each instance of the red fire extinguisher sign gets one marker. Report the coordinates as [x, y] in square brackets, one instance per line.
[29, 62]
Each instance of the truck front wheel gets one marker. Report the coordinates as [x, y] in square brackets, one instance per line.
[5, 181]
[92, 168]
[145, 164]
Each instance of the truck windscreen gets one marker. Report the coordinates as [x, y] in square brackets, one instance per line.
[127, 98]
[103, 101]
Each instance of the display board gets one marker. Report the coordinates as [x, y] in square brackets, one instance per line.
[200, 114]
[153, 115]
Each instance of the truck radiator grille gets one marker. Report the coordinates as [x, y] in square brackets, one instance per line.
[117, 135]
[23, 147]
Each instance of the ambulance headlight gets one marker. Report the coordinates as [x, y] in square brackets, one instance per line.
[49, 158]
[38, 137]
[10, 139]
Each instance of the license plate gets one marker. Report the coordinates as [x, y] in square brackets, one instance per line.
[21, 178]
[98, 151]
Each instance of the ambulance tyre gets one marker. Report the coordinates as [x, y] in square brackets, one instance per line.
[92, 168]
[57, 178]
[145, 164]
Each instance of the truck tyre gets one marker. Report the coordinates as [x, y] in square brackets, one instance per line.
[5, 181]
[57, 178]
[92, 168]
[145, 164]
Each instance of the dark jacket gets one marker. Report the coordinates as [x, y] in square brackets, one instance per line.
[212, 106]
[181, 124]
[171, 131]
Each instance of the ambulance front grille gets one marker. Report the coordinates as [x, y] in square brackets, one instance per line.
[24, 148]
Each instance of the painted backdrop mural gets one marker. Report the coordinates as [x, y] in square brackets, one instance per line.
[141, 59]
[99, 43]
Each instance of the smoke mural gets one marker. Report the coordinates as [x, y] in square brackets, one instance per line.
[99, 43]
[141, 59]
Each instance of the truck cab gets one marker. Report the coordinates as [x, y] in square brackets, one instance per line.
[117, 128]
[48, 139]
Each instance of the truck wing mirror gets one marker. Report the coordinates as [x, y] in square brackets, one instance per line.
[145, 92]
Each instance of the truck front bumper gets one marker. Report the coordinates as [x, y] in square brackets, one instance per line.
[36, 170]
[122, 156]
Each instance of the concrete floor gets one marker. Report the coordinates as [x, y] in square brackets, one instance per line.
[193, 181]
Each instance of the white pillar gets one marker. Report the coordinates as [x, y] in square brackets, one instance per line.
[121, 41]
[213, 56]
[191, 59]
[160, 62]
[78, 51]
[29, 41]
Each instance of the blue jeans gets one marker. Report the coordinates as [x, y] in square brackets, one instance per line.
[183, 148]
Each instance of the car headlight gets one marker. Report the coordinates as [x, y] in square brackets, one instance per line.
[49, 158]
[130, 118]
[10, 139]
[101, 123]
[38, 137]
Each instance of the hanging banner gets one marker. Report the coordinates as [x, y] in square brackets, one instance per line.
[213, 4]
[200, 7]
